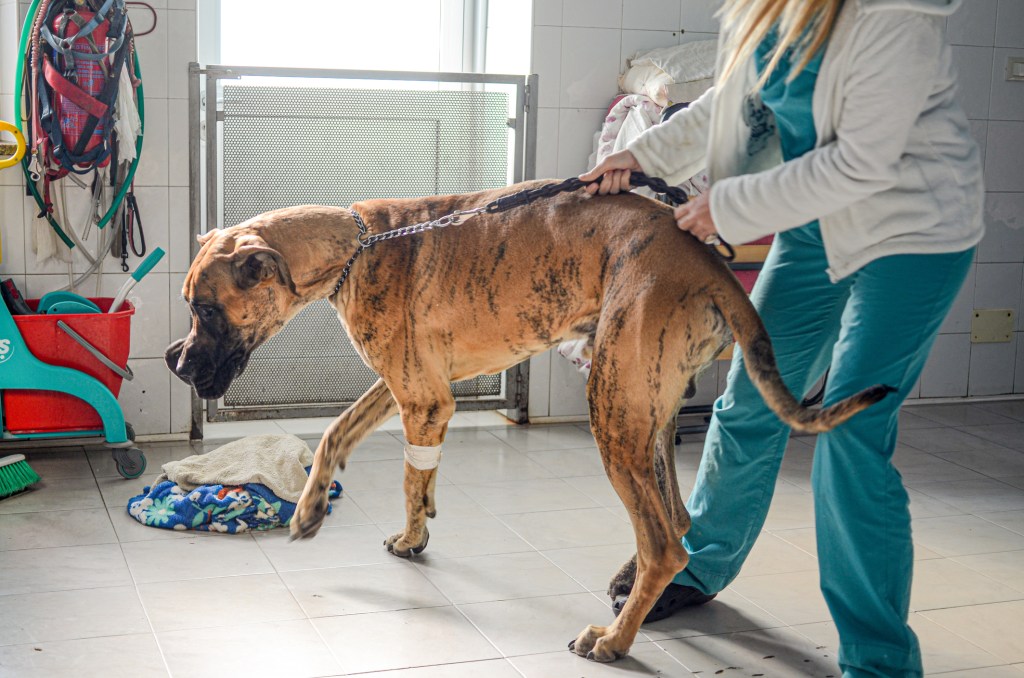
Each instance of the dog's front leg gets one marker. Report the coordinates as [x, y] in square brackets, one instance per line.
[425, 422]
[335, 447]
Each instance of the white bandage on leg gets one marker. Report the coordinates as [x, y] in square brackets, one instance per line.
[423, 458]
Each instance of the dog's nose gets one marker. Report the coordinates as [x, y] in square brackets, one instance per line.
[173, 357]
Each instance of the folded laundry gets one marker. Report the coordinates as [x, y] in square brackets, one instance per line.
[248, 484]
[214, 508]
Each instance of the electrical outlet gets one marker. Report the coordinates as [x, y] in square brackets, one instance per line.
[1015, 68]
[991, 325]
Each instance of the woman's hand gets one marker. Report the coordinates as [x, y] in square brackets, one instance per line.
[615, 168]
[694, 217]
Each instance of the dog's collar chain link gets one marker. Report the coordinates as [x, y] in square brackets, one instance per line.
[636, 179]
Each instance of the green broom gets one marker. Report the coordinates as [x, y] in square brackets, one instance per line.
[15, 475]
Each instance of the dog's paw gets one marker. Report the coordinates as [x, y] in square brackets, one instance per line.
[595, 644]
[622, 583]
[403, 548]
[584, 643]
[308, 517]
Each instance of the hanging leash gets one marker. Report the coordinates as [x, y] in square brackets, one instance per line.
[511, 201]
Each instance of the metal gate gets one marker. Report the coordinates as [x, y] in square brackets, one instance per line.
[280, 137]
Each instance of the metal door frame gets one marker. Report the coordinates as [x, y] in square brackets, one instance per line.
[204, 176]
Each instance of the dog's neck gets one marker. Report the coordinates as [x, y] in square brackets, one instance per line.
[319, 242]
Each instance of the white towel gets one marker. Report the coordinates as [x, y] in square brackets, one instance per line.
[277, 461]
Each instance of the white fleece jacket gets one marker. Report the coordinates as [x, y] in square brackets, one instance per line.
[894, 171]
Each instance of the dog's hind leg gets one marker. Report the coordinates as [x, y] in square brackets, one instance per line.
[336, 445]
[633, 392]
[425, 416]
[668, 484]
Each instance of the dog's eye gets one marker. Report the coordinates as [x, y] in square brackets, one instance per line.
[203, 313]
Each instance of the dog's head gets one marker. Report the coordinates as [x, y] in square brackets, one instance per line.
[240, 292]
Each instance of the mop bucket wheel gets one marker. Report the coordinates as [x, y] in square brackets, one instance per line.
[131, 462]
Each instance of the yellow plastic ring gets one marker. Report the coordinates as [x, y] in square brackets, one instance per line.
[19, 144]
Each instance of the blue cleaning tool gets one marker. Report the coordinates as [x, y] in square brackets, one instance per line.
[145, 267]
[63, 301]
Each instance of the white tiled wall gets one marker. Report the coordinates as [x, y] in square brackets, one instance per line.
[983, 34]
[150, 402]
[579, 49]
[581, 46]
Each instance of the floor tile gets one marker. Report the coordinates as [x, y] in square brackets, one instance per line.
[1010, 435]
[973, 496]
[63, 568]
[336, 591]
[780, 653]
[466, 536]
[474, 467]
[1005, 671]
[533, 625]
[334, 547]
[495, 668]
[961, 415]
[598, 488]
[282, 648]
[566, 529]
[61, 494]
[1014, 409]
[203, 603]
[157, 454]
[946, 583]
[59, 463]
[944, 439]
[772, 555]
[124, 656]
[729, 612]
[592, 566]
[995, 461]
[55, 528]
[644, 659]
[994, 627]
[552, 437]
[1006, 568]
[794, 597]
[497, 577]
[1011, 520]
[403, 639]
[70, 615]
[964, 535]
[568, 463]
[197, 557]
[923, 467]
[527, 496]
[387, 505]
[908, 419]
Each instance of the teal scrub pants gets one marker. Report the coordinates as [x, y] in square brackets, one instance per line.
[874, 327]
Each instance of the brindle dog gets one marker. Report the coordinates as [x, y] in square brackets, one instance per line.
[655, 305]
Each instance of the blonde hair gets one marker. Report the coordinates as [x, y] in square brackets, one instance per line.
[802, 24]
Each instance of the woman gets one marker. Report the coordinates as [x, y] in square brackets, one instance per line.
[832, 124]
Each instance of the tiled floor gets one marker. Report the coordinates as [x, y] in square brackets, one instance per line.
[527, 535]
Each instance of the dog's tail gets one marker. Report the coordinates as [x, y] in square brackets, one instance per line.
[759, 358]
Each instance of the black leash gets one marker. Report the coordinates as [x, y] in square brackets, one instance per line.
[511, 201]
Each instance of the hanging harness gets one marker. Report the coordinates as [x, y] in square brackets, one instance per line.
[77, 84]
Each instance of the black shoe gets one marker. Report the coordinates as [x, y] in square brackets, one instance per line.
[674, 598]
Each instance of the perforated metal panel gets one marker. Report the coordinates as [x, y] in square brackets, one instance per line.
[285, 146]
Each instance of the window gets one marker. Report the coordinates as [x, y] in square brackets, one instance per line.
[391, 35]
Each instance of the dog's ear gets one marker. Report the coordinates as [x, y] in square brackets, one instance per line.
[204, 238]
[254, 264]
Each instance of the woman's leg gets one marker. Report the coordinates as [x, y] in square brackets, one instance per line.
[865, 551]
[745, 443]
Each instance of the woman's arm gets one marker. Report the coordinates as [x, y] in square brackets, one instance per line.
[890, 79]
[676, 149]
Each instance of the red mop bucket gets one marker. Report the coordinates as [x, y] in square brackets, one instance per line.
[49, 411]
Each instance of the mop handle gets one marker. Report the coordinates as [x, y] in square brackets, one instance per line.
[145, 267]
